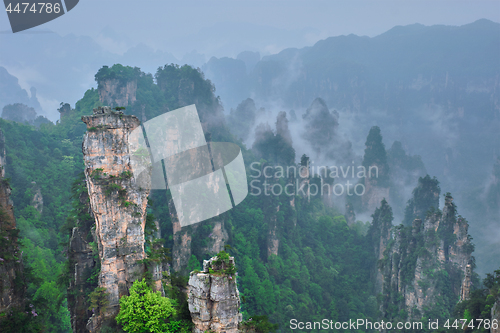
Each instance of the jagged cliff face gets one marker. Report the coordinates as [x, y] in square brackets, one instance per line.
[81, 256]
[427, 267]
[113, 92]
[118, 205]
[213, 299]
[380, 232]
[11, 286]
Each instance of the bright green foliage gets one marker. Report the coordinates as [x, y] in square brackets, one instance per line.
[193, 264]
[322, 269]
[117, 72]
[51, 157]
[222, 265]
[146, 311]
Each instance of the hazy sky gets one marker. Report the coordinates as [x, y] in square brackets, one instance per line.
[170, 25]
[211, 27]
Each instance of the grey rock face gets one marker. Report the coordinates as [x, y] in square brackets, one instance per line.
[112, 92]
[118, 205]
[214, 300]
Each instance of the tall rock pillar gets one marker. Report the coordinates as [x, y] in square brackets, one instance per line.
[118, 204]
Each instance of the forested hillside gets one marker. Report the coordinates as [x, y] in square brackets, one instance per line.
[432, 88]
[296, 254]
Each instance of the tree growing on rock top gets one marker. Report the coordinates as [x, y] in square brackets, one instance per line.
[425, 196]
[381, 224]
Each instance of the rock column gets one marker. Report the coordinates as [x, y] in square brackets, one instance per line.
[213, 299]
[118, 204]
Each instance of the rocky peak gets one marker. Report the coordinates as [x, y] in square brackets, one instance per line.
[380, 231]
[213, 296]
[427, 265]
[425, 196]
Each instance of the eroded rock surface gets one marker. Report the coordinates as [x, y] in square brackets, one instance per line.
[118, 205]
[213, 299]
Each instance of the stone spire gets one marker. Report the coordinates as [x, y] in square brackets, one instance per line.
[119, 206]
[213, 296]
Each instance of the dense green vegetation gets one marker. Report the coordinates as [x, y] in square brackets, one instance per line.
[46, 159]
[323, 267]
[146, 311]
[474, 314]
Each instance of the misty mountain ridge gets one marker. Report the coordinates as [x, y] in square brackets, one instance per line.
[433, 88]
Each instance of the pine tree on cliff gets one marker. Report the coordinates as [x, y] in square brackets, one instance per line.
[376, 156]
[425, 196]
